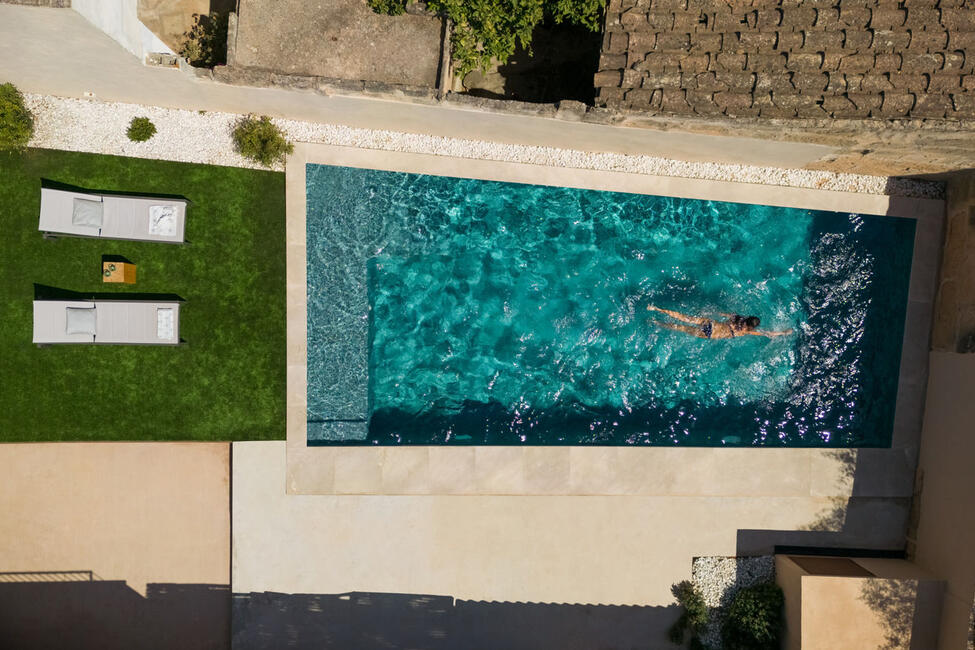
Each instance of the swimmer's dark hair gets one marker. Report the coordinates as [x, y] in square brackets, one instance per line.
[751, 322]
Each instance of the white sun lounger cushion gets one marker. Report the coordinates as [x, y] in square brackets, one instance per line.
[162, 220]
[85, 212]
[80, 320]
[165, 323]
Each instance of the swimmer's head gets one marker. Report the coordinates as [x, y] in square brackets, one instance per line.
[745, 322]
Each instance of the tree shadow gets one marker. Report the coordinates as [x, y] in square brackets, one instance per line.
[559, 65]
[110, 615]
[851, 525]
[368, 621]
[894, 601]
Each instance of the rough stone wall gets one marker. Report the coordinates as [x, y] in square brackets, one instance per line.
[792, 58]
[58, 4]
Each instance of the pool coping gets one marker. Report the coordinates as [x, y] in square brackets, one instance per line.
[565, 470]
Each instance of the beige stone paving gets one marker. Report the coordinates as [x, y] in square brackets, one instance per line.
[601, 470]
[138, 512]
[624, 550]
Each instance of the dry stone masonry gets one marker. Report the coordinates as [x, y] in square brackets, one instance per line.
[792, 58]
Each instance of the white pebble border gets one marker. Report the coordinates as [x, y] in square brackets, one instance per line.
[719, 578]
[204, 137]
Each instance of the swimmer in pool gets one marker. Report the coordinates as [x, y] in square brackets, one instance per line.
[707, 328]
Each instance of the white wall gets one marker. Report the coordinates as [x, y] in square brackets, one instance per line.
[120, 20]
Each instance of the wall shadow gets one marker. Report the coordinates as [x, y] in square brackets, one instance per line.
[109, 615]
[367, 621]
[45, 292]
[47, 183]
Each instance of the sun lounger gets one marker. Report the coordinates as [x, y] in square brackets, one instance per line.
[107, 216]
[106, 321]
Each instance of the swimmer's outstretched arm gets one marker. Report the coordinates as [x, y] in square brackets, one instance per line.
[694, 320]
[770, 335]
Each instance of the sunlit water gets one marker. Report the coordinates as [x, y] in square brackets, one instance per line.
[500, 313]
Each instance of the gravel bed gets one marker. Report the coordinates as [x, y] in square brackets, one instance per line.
[204, 137]
[719, 579]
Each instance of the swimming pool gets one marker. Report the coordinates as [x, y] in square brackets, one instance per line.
[457, 311]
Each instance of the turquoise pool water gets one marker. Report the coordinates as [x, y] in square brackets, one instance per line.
[457, 311]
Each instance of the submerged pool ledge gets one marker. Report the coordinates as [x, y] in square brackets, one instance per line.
[332, 469]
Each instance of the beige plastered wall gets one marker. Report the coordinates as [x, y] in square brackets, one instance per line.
[138, 512]
[946, 479]
[897, 609]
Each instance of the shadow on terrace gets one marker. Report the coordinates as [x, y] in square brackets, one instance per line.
[75, 609]
[368, 621]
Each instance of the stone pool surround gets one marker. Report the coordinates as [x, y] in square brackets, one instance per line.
[529, 470]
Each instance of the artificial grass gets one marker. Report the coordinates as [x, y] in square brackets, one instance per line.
[226, 383]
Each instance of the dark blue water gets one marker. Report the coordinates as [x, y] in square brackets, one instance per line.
[458, 311]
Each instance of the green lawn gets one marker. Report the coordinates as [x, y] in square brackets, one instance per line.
[226, 383]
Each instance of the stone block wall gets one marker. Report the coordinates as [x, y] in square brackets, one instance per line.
[883, 59]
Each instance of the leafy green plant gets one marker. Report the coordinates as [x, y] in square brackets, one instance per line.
[140, 129]
[491, 30]
[205, 45]
[694, 618]
[585, 13]
[754, 619]
[388, 7]
[260, 140]
[16, 121]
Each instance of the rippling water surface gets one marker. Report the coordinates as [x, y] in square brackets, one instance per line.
[501, 313]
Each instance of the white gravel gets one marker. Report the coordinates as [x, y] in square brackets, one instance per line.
[719, 579]
[204, 137]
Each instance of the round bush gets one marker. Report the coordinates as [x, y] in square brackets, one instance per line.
[16, 121]
[754, 619]
[140, 129]
[260, 140]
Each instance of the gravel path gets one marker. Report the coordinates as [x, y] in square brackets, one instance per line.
[719, 579]
[204, 137]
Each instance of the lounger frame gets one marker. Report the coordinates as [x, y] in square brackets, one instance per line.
[125, 315]
[125, 217]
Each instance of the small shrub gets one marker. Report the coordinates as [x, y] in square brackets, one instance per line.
[388, 7]
[205, 45]
[140, 129]
[754, 619]
[259, 139]
[16, 121]
[694, 619]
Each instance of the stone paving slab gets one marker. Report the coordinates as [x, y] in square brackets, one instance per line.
[818, 59]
